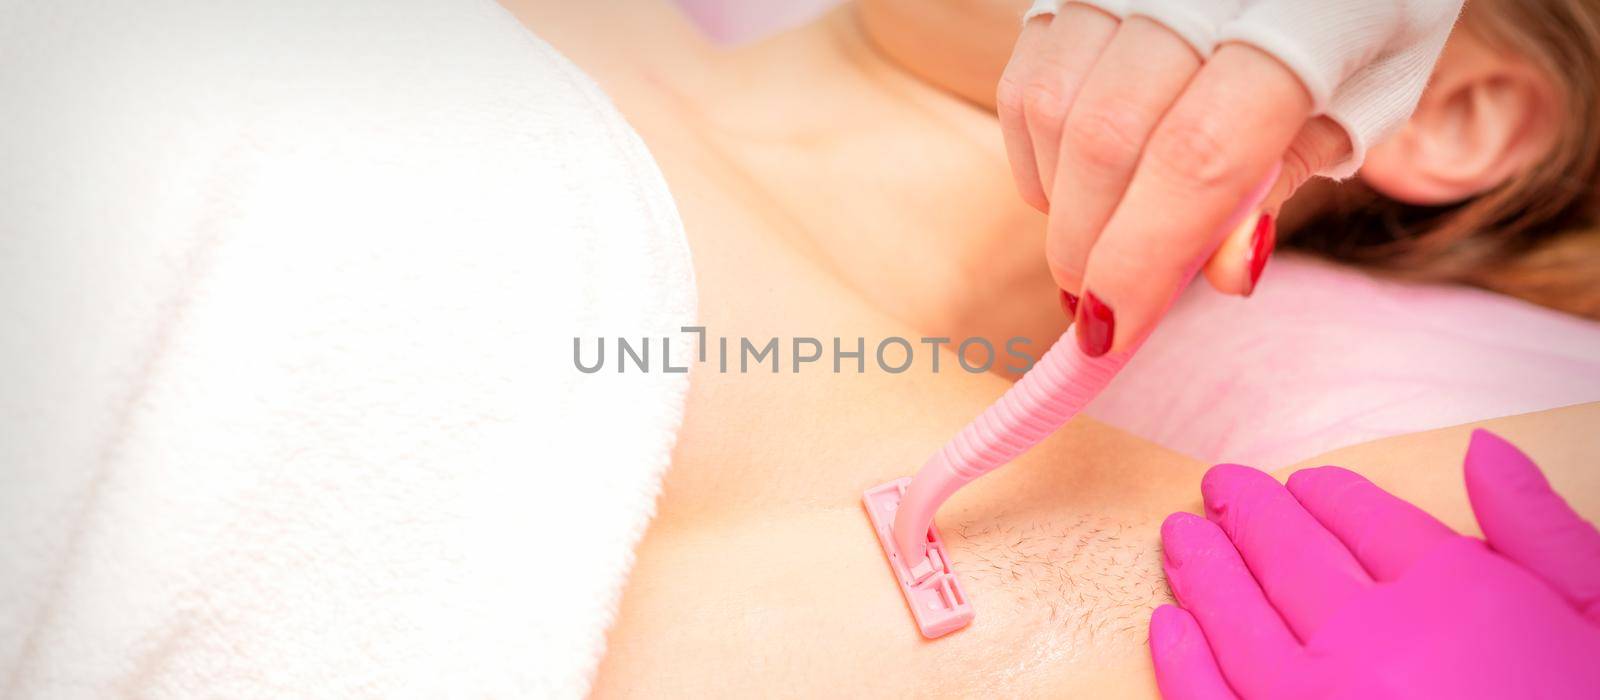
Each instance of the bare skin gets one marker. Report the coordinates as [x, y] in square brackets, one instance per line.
[827, 193]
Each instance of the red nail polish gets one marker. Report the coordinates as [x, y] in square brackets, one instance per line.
[1097, 326]
[1262, 241]
[1069, 304]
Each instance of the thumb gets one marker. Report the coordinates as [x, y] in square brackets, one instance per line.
[1236, 266]
[1529, 523]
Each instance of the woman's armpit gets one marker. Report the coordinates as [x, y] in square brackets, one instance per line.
[1093, 577]
[808, 600]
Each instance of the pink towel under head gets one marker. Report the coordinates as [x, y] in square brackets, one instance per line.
[738, 21]
[1325, 356]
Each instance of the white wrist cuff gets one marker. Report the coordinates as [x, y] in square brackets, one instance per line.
[1041, 8]
[1364, 62]
[1115, 8]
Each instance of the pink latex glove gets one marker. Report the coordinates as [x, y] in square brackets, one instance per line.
[1331, 587]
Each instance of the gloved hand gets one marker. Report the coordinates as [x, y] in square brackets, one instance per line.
[1139, 125]
[1333, 588]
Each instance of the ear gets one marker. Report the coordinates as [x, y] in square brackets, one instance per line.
[1487, 115]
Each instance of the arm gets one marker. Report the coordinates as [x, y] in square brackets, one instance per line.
[1425, 468]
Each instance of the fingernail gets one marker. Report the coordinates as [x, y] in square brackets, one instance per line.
[1493, 456]
[1262, 241]
[1222, 484]
[1166, 630]
[1069, 304]
[1173, 530]
[1097, 326]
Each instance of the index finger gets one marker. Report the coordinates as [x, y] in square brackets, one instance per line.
[1384, 533]
[1217, 142]
[1038, 87]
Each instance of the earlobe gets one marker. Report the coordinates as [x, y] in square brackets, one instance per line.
[1485, 117]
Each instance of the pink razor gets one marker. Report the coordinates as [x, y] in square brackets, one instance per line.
[1056, 389]
[1049, 395]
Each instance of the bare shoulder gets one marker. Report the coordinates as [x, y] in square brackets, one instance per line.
[1425, 468]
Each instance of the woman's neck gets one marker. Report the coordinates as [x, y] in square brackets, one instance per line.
[903, 187]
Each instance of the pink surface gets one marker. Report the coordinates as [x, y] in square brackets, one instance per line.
[1325, 356]
[733, 21]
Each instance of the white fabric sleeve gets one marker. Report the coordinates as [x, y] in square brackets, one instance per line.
[1115, 8]
[1375, 102]
[1040, 8]
[1364, 62]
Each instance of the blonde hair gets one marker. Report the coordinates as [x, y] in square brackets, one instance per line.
[1538, 235]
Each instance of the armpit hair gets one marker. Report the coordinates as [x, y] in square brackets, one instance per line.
[1097, 577]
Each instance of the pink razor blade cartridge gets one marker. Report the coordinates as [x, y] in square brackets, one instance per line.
[936, 599]
[1056, 389]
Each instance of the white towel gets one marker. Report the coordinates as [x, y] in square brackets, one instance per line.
[287, 299]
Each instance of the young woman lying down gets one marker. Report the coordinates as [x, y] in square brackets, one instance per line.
[838, 182]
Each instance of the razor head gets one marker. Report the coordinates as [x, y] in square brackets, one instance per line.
[937, 601]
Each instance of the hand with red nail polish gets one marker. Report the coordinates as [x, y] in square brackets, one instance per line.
[1140, 134]
[1330, 587]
